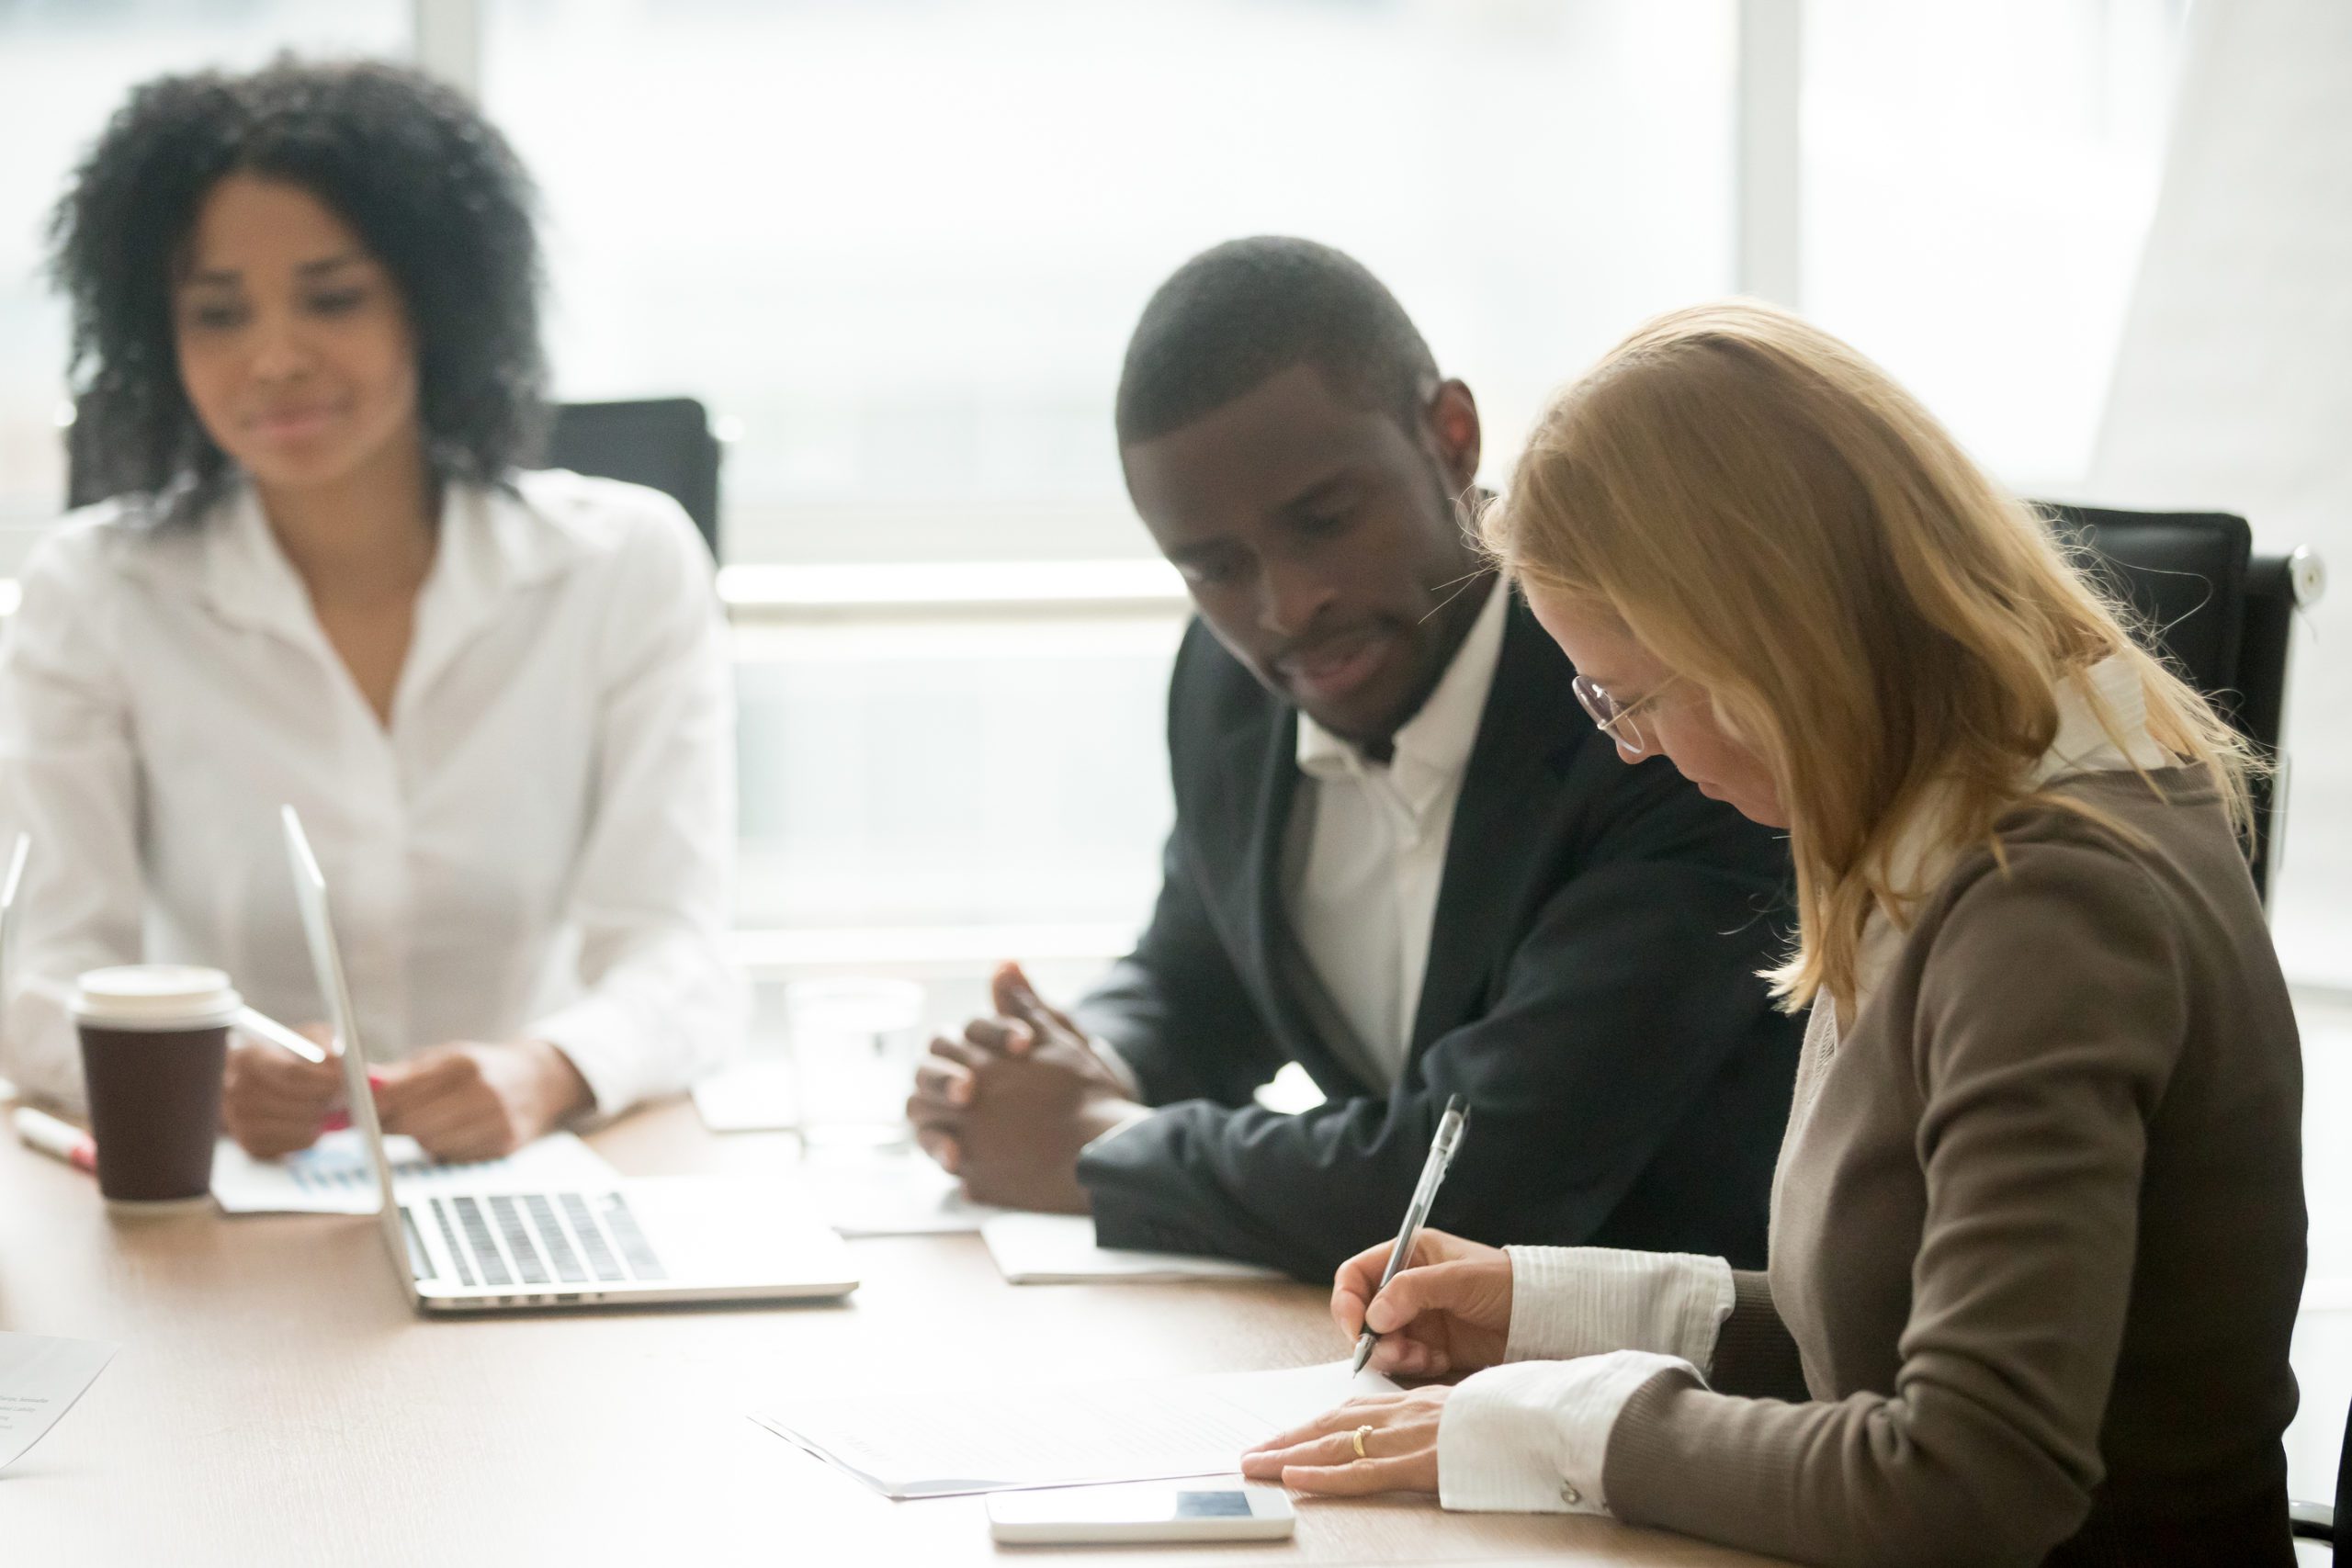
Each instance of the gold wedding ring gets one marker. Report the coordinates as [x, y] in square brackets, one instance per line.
[1359, 1440]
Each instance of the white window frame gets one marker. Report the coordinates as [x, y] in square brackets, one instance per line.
[1767, 178]
[445, 39]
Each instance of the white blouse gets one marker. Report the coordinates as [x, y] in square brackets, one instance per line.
[539, 845]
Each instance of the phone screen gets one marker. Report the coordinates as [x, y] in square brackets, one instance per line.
[1119, 1505]
[1212, 1505]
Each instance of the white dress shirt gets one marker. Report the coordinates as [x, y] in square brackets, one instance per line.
[539, 845]
[1366, 847]
[1589, 1326]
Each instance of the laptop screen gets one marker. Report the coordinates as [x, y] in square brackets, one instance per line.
[326, 962]
[8, 890]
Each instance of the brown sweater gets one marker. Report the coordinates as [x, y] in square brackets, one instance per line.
[2037, 1237]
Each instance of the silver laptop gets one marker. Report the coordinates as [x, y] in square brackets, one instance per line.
[623, 1243]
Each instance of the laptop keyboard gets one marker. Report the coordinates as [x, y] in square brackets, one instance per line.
[531, 1238]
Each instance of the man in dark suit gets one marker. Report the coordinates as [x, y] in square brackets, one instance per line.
[1403, 856]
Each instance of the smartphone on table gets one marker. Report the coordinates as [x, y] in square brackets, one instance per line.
[1219, 1508]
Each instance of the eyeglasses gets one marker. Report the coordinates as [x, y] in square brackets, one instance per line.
[1616, 719]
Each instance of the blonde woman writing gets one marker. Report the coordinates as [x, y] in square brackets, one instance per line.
[2037, 1234]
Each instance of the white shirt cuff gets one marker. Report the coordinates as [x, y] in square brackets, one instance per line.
[601, 1042]
[1129, 1085]
[1586, 1301]
[1532, 1437]
[1140, 1113]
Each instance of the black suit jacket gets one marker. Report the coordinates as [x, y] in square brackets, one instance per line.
[1591, 989]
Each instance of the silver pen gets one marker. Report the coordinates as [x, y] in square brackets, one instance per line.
[1441, 1148]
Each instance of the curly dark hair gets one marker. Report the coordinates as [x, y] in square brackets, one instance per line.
[433, 190]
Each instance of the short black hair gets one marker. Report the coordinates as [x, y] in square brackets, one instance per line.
[1243, 311]
[433, 190]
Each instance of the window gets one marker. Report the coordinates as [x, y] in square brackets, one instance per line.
[1978, 178]
[899, 245]
[986, 773]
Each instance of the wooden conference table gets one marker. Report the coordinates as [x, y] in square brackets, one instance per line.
[274, 1402]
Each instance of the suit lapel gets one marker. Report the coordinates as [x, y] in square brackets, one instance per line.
[1527, 735]
[1256, 779]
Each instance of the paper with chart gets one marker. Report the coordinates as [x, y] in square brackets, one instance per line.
[1059, 1249]
[41, 1378]
[332, 1176]
[944, 1442]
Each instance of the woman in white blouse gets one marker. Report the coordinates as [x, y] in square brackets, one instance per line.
[306, 336]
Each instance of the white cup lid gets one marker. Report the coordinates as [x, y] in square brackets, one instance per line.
[156, 996]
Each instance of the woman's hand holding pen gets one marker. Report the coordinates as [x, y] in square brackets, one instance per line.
[272, 1101]
[465, 1100]
[1448, 1312]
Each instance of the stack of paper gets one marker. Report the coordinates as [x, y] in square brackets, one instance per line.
[1059, 1249]
[925, 1443]
[333, 1176]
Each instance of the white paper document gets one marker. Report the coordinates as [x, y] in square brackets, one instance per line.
[39, 1379]
[332, 1176]
[753, 1097]
[890, 1194]
[933, 1443]
[1059, 1249]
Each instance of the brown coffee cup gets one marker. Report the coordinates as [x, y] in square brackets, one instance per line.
[155, 1040]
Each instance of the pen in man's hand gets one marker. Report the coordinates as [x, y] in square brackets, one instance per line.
[1441, 1148]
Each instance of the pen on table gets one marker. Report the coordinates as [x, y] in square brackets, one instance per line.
[39, 1130]
[1441, 1148]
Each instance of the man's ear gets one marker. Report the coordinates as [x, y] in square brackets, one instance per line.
[1451, 420]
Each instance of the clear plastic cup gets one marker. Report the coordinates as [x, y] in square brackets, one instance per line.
[853, 1044]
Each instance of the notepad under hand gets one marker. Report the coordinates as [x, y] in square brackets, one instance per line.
[942, 1443]
[1059, 1249]
[900, 1193]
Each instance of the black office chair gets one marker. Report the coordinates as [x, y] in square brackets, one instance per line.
[2316, 1521]
[664, 443]
[2222, 614]
[2225, 616]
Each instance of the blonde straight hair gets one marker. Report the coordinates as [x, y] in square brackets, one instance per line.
[1776, 520]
